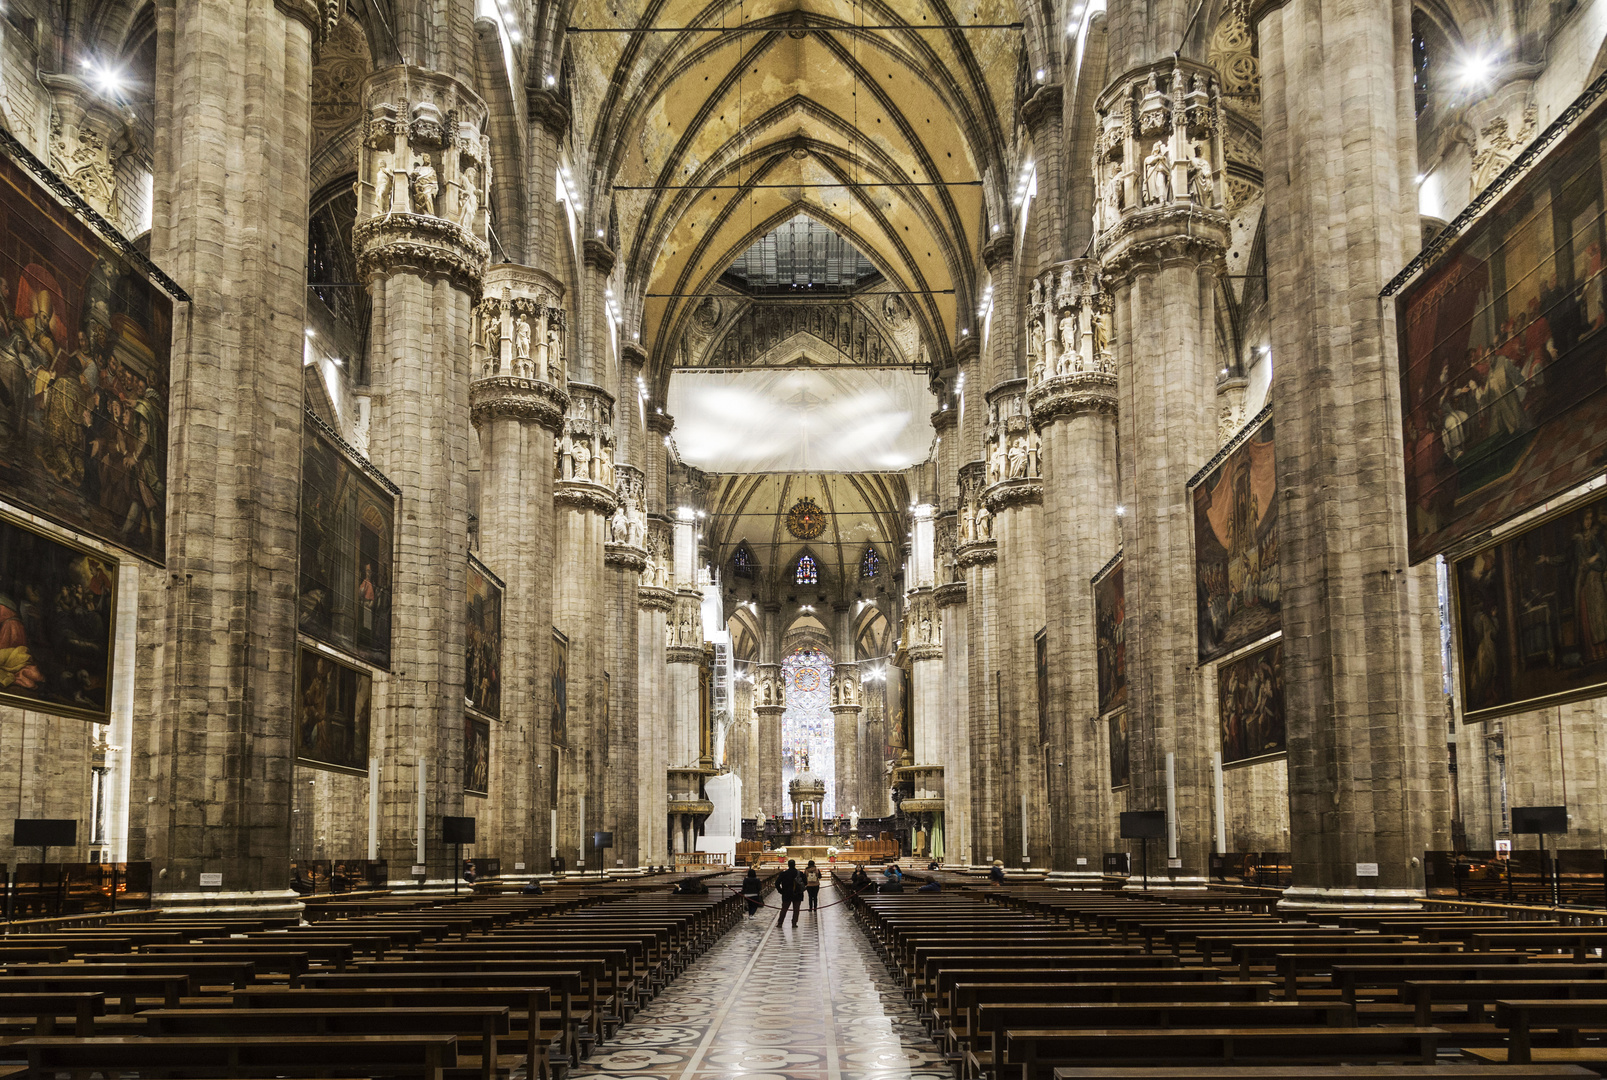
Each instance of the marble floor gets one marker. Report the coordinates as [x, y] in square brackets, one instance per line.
[811, 1002]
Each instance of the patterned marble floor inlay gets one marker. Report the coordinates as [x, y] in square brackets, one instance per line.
[805, 1002]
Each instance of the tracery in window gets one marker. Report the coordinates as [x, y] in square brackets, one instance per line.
[807, 572]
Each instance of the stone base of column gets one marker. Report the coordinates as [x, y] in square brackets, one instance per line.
[1136, 884]
[218, 902]
[1075, 878]
[1310, 899]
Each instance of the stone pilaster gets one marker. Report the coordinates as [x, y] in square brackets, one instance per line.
[1014, 495]
[215, 754]
[1160, 245]
[949, 596]
[769, 697]
[977, 558]
[1368, 781]
[420, 246]
[549, 125]
[517, 402]
[655, 601]
[1042, 113]
[586, 500]
[626, 558]
[1072, 394]
[845, 706]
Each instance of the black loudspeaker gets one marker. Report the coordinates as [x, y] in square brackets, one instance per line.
[602, 839]
[1547, 820]
[45, 832]
[457, 830]
[1143, 824]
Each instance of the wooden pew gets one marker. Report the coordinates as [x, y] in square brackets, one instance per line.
[1448, 1071]
[126, 989]
[46, 1008]
[1570, 1017]
[1423, 995]
[422, 1056]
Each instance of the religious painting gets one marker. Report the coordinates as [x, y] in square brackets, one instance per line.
[1503, 346]
[896, 709]
[333, 709]
[482, 643]
[1236, 546]
[1110, 636]
[560, 688]
[347, 547]
[476, 756]
[84, 350]
[1120, 769]
[1041, 644]
[1531, 615]
[1249, 696]
[58, 618]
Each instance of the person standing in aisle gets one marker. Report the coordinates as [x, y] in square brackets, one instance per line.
[812, 884]
[789, 886]
[752, 891]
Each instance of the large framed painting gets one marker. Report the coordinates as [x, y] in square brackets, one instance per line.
[1503, 346]
[333, 710]
[1531, 615]
[1110, 636]
[1236, 544]
[1041, 647]
[476, 756]
[1249, 696]
[58, 619]
[560, 688]
[347, 548]
[84, 350]
[896, 709]
[482, 642]
[1121, 774]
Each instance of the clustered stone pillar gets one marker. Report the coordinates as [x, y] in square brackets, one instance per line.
[769, 693]
[517, 401]
[1161, 245]
[420, 248]
[977, 557]
[217, 759]
[585, 498]
[1367, 769]
[1072, 394]
[845, 732]
[626, 557]
[684, 654]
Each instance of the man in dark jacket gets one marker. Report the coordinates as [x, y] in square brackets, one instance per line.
[789, 886]
[752, 891]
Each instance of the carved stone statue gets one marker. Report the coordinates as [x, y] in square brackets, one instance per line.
[1158, 175]
[1018, 458]
[1038, 370]
[425, 186]
[605, 466]
[1035, 336]
[836, 694]
[582, 458]
[521, 340]
[984, 524]
[997, 463]
[619, 525]
[1102, 332]
[926, 627]
[384, 183]
[1071, 355]
[853, 819]
[1201, 188]
[469, 198]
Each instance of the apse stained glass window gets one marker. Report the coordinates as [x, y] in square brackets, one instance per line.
[870, 564]
[742, 562]
[808, 573]
[806, 726]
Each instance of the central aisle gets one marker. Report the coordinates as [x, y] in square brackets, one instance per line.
[811, 1002]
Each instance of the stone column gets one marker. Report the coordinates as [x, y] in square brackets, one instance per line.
[1161, 251]
[626, 557]
[977, 556]
[216, 756]
[419, 240]
[1073, 401]
[687, 749]
[1014, 495]
[769, 691]
[1368, 780]
[1043, 113]
[845, 701]
[655, 601]
[517, 401]
[957, 752]
[545, 228]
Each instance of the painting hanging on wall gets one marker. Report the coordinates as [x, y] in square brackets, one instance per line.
[1120, 769]
[560, 688]
[1531, 615]
[896, 690]
[482, 642]
[58, 618]
[1249, 695]
[476, 756]
[333, 709]
[1110, 634]
[1041, 645]
[1236, 545]
[1503, 346]
[347, 547]
[84, 350]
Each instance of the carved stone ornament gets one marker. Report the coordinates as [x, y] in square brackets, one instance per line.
[517, 399]
[949, 595]
[653, 598]
[978, 554]
[584, 495]
[426, 245]
[1024, 491]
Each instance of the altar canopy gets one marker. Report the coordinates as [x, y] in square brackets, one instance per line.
[801, 419]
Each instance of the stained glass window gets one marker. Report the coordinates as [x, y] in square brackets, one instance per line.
[742, 562]
[870, 564]
[808, 573]
[807, 726]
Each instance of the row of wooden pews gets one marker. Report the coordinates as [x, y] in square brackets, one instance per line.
[1037, 983]
[475, 987]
